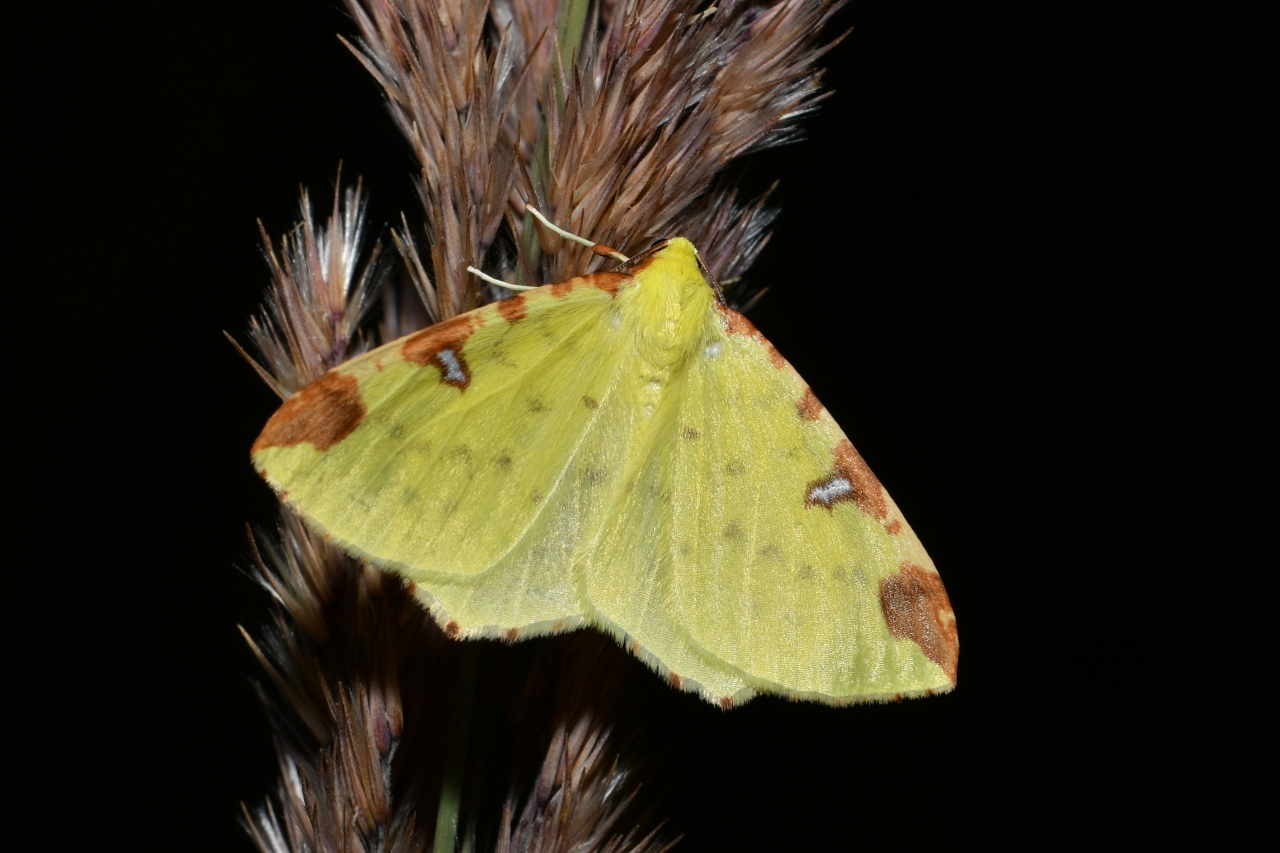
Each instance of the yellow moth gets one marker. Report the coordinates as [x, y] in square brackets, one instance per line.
[623, 451]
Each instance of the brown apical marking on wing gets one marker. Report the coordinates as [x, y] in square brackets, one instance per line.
[691, 433]
[609, 282]
[513, 308]
[590, 402]
[894, 527]
[413, 588]
[421, 347]
[558, 627]
[323, 413]
[850, 479]
[512, 635]
[452, 629]
[736, 324]
[916, 608]
[726, 702]
[870, 494]
[674, 680]
[425, 347]
[809, 406]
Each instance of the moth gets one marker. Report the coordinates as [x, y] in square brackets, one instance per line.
[622, 451]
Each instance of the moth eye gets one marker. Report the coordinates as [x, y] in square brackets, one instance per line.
[714, 348]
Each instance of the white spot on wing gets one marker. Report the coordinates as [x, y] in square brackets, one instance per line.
[453, 370]
[831, 491]
[714, 348]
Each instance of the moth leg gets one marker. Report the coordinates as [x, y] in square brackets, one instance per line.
[598, 248]
[499, 282]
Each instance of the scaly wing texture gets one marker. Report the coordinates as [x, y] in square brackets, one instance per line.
[752, 550]
[790, 562]
[628, 576]
[454, 456]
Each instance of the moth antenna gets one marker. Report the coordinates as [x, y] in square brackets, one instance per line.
[598, 248]
[499, 282]
[644, 253]
[706, 271]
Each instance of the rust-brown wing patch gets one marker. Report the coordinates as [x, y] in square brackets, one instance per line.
[916, 608]
[513, 309]
[323, 413]
[609, 282]
[421, 347]
[809, 406]
[736, 324]
[441, 346]
[850, 480]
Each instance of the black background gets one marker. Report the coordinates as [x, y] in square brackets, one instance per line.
[922, 278]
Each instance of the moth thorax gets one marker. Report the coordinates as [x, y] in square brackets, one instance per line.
[674, 301]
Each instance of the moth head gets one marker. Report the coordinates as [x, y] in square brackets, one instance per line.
[677, 250]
